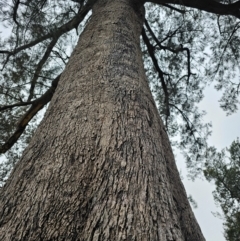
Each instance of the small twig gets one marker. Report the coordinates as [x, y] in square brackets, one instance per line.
[173, 8]
[190, 126]
[6, 107]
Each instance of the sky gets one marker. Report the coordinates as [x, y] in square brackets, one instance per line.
[225, 130]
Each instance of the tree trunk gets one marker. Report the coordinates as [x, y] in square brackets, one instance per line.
[100, 166]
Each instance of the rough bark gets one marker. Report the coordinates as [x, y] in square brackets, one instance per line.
[100, 166]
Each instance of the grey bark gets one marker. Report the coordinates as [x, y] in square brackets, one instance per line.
[100, 166]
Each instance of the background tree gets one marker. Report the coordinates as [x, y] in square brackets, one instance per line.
[224, 170]
[174, 40]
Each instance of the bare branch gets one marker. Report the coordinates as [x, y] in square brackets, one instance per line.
[73, 23]
[189, 124]
[15, 8]
[39, 67]
[237, 26]
[160, 73]
[179, 49]
[61, 57]
[206, 5]
[6, 107]
[37, 105]
[173, 8]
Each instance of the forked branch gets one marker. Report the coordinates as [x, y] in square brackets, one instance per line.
[150, 49]
[73, 23]
[177, 50]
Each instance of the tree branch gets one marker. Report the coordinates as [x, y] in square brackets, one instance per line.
[37, 105]
[237, 26]
[160, 73]
[206, 5]
[15, 8]
[189, 124]
[73, 23]
[39, 67]
[6, 107]
[173, 8]
[180, 49]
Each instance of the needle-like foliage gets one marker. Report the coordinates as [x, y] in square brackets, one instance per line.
[224, 169]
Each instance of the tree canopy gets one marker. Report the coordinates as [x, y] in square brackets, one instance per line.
[186, 45]
[224, 169]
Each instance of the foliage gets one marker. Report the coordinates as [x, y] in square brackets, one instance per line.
[224, 169]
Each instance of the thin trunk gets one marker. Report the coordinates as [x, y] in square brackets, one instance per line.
[100, 166]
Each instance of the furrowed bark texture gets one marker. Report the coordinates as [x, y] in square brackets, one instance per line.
[100, 166]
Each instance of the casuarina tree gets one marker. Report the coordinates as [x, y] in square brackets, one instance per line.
[224, 170]
[100, 165]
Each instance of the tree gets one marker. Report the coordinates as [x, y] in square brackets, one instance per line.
[100, 165]
[226, 175]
